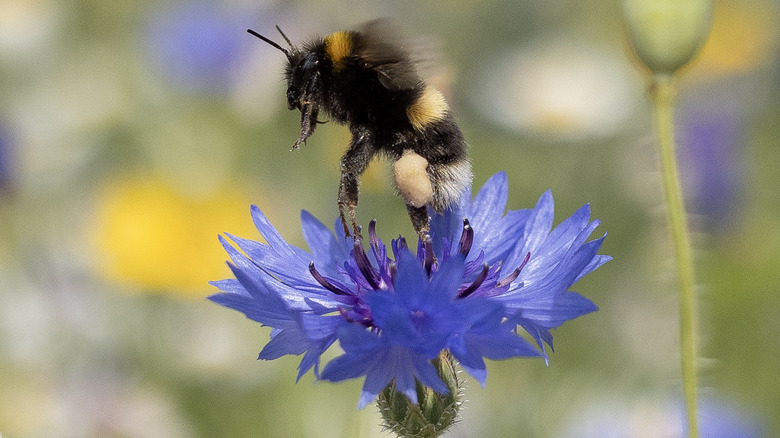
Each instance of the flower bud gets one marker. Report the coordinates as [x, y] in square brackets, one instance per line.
[435, 412]
[667, 34]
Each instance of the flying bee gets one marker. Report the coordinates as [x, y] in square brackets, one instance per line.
[366, 79]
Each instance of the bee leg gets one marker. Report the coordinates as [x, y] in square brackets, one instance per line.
[309, 111]
[348, 199]
[420, 221]
[422, 224]
[353, 163]
[308, 123]
[347, 233]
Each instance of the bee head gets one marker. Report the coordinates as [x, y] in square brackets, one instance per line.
[300, 67]
[300, 77]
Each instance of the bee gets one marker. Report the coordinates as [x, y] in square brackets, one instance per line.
[365, 79]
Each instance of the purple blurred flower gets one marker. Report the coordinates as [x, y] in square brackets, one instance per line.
[612, 418]
[710, 155]
[7, 164]
[466, 293]
[720, 418]
[196, 45]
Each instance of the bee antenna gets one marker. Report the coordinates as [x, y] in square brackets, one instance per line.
[285, 51]
[289, 43]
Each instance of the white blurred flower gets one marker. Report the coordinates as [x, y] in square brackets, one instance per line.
[27, 30]
[561, 89]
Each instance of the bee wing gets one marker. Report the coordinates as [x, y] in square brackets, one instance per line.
[382, 49]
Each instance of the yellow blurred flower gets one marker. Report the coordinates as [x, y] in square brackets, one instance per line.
[744, 34]
[151, 236]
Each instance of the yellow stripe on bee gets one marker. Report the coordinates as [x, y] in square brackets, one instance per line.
[338, 46]
[428, 108]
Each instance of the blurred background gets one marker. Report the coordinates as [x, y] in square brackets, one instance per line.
[132, 133]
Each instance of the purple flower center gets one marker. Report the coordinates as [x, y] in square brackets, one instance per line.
[365, 276]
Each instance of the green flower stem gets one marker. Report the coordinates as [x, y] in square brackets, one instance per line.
[663, 91]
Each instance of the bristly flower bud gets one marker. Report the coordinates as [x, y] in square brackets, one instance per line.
[434, 413]
[667, 34]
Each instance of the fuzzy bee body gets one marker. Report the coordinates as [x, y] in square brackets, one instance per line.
[365, 80]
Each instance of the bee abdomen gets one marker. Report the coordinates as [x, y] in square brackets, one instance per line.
[450, 181]
[421, 182]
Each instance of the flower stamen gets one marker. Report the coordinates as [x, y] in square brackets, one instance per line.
[476, 283]
[372, 239]
[511, 277]
[324, 281]
[430, 258]
[466, 238]
[368, 271]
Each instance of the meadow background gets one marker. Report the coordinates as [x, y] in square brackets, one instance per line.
[132, 133]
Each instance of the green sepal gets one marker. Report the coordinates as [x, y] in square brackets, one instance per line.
[667, 34]
[435, 412]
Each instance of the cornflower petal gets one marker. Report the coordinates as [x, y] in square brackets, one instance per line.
[485, 335]
[491, 229]
[327, 250]
[381, 360]
[494, 193]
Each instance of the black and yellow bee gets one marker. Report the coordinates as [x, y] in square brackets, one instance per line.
[366, 80]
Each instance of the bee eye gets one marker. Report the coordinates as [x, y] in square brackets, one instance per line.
[309, 63]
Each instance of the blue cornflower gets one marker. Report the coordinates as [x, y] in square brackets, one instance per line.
[465, 292]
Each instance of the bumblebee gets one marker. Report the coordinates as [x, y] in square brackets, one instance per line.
[367, 80]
